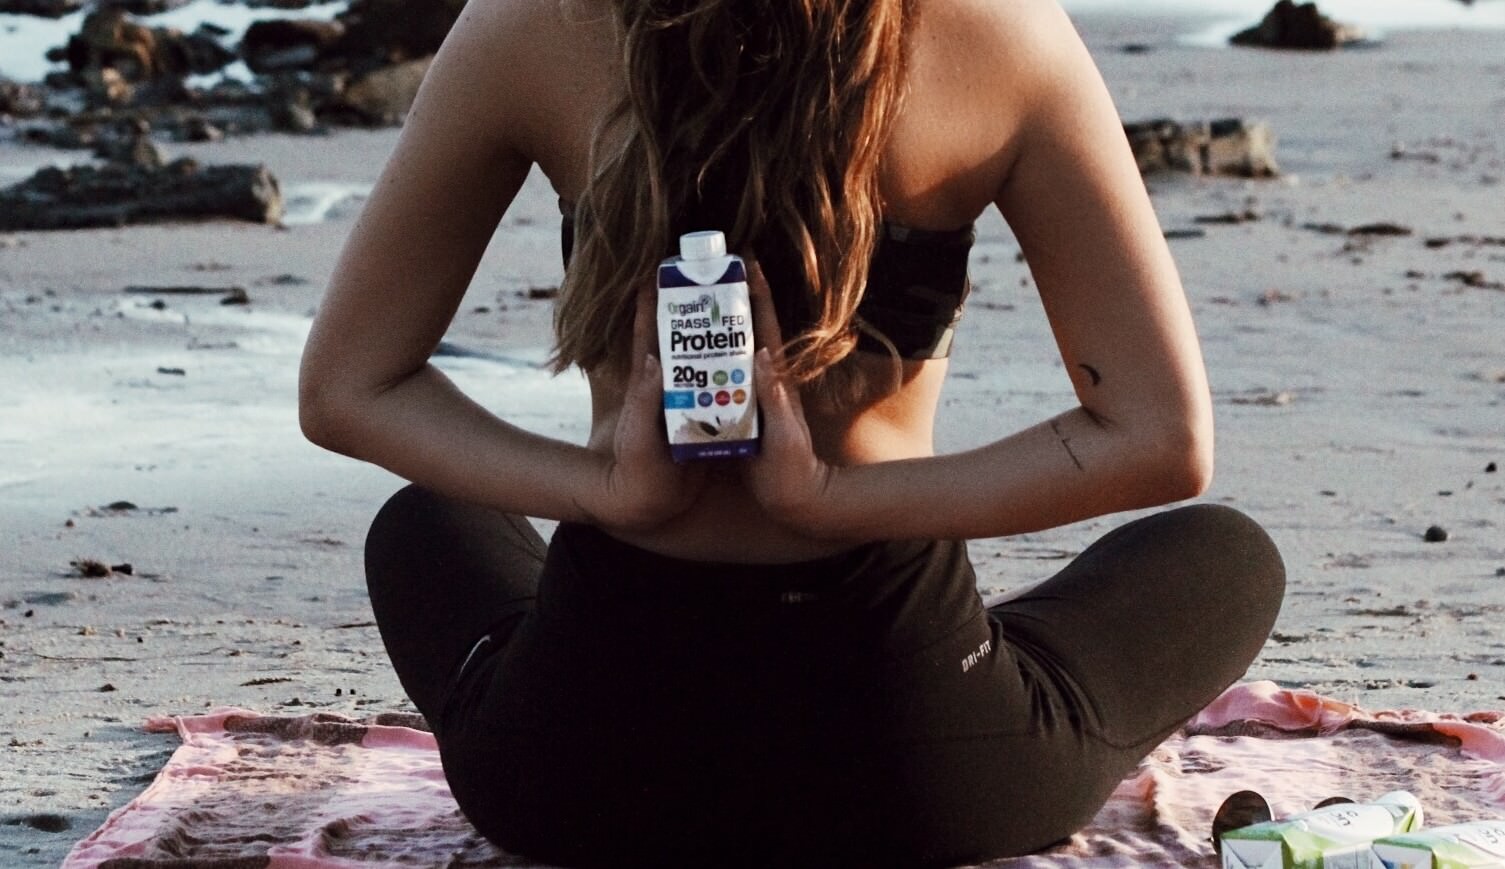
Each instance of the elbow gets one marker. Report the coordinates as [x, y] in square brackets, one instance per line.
[1186, 458]
[1191, 472]
[318, 416]
[314, 421]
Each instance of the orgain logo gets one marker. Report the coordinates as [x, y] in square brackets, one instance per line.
[683, 309]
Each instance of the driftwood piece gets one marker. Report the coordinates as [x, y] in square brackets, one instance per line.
[117, 194]
[1227, 146]
[232, 295]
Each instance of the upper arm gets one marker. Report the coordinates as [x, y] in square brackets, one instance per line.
[414, 249]
[1075, 200]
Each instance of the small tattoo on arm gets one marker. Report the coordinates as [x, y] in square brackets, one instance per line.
[1091, 372]
[1066, 442]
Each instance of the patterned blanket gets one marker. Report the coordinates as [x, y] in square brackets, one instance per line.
[250, 791]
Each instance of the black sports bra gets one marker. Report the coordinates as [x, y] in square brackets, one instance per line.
[917, 286]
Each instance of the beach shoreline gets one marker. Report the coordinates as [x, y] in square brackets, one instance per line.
[1359, 390]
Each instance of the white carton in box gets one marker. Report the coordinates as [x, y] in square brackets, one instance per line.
[1477, 845]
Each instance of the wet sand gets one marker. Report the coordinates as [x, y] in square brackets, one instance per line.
[1359, 392]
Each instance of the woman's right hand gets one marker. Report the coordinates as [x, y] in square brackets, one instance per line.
[639, 486]
[792, 484]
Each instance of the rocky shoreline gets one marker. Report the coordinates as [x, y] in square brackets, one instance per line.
[359, 68]
[128, 83]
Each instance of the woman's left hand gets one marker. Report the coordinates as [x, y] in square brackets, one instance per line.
[791, 483]
[639, 486]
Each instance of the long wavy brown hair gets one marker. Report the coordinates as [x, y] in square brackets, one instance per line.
[762, 118]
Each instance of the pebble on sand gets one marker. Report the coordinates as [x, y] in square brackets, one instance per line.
[1435, 534]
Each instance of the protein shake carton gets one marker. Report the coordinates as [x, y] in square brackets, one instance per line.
[705, 340]
[1332, 837]
[1476, 845]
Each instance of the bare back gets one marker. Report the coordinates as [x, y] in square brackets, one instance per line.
[1002, 106]
[942, 165]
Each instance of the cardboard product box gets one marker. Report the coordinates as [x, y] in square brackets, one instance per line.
[1333, 837]
[1476, 845]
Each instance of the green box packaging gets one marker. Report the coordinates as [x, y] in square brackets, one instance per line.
[1332, 837]
[1475, 845]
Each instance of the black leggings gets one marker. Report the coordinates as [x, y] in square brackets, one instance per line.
[600, 705]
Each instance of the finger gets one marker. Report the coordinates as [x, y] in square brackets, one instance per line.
[648, 384]
[780, 404]
[640, 427]
[766, 330]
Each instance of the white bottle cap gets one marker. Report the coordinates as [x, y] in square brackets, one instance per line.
[702, 245]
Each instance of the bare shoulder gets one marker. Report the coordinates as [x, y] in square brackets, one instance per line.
[515, 65]
[980, 71]
[1016, 50]
[997, 37]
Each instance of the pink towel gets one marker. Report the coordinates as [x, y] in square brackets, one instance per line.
[326, 792]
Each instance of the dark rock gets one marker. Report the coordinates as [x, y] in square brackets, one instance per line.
[384, 96]
[42, 8]
[1435, 534]
[1491, 468]
[1292, 25]
[1380, 229]
[46, 822]
[117, 194]
[144, 7]
[270, 46]
[137, 150]
[1227, 146]
[109, 38]
[19, 100]
[289, 107]
[107, 87]
[91, 568]
[383, 32]
[1248, 215]
[293, 115]
[1474, 279]
[197, 128]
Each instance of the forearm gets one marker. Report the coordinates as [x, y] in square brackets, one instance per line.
[1072, 467]
[424, 429]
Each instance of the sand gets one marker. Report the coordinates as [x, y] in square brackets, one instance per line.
[1359, 393]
